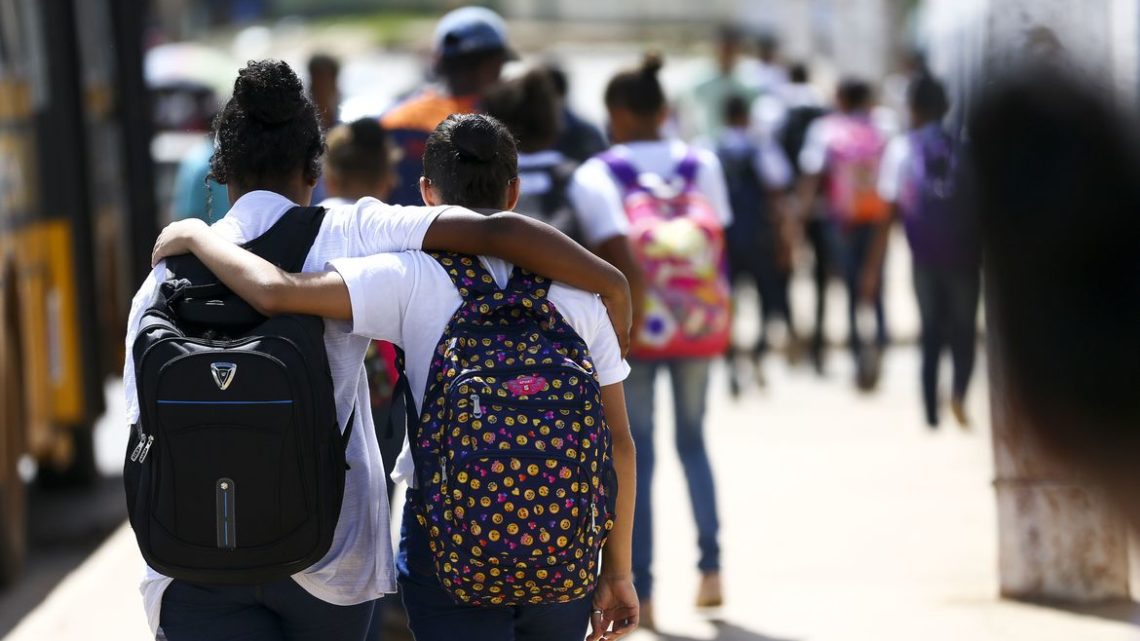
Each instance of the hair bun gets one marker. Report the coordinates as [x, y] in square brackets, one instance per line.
[475, 139]
[652, 63]
[270, 92]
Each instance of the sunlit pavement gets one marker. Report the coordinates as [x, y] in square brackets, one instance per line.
[844, 518]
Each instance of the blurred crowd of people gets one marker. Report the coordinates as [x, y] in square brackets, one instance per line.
[768, 170]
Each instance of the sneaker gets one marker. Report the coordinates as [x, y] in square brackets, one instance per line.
[645, 616]
[709, 593]
[958, 409]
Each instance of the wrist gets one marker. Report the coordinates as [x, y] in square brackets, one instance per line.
[616, 576]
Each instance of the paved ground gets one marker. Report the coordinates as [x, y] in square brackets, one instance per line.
[844, 519]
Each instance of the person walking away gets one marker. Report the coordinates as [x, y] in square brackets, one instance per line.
[469, 50]
[756, 173]
[920, 177]
[801, 107]
[529, 107]
[702, 107]
[268, 156]
[578, 139]
[500, 539]
[842, 152]
[324, 90]
[657, 210]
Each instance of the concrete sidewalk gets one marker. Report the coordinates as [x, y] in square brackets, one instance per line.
[844, 519]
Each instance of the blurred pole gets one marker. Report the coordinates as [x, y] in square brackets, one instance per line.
[1058, 540]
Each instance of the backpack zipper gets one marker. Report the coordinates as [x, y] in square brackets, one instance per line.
[146, 448]
[477, 410]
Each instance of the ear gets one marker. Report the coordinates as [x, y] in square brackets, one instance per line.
[428, 193]
[514, 190]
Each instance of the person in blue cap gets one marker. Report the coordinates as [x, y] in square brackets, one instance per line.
[469, 49]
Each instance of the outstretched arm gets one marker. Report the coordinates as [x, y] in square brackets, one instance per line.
[520, 240]
[269, 289]
[537, 247]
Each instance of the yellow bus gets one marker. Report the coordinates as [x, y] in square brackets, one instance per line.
[77, 214]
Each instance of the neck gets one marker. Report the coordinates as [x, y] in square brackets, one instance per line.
[291, 192]
[647, 134]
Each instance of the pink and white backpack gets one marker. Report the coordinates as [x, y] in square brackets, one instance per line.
[678, 241]
[853, 158]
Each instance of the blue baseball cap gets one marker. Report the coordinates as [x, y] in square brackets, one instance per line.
[470, 30]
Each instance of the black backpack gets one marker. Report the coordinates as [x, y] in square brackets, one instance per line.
[553, 205]
[235, 472]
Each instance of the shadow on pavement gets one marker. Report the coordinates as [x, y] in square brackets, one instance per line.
[725, 631]
[1119, 611]
[64, 527]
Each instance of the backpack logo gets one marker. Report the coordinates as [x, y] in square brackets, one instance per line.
[224, 374]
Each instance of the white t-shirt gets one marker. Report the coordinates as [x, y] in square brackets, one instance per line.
[597, 196]
[359, 565]
[417, 299]
[896, 160]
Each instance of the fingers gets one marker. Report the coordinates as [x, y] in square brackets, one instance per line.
[597, 626]
[622, 627]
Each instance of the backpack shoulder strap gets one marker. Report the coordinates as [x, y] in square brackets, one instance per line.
[688, 167]
[622, 169]
[287, 243]
[467, 274]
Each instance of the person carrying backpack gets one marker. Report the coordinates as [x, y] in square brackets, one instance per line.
[521, 462]
[842, 151]
[756, 173]
[657, 210]
[920, 177]
[253, 478]
[529, 107]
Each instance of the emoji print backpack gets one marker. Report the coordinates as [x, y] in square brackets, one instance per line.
[512, 451]
[679, 243]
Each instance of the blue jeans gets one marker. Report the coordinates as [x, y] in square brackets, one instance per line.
[852, 245]
[690, 381]
[434, 616]
[275, 611]
[948, 306]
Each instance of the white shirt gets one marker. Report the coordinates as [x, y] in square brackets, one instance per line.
[419, 299]
[598, 197]
[358, 566]
[896, 161]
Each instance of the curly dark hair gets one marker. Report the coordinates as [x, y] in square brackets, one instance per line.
[268, 129]
[529, 107]
[470, 159]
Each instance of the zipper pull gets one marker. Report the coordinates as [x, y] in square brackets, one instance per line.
[594, 517]
[146, 448]
[138, 448]
[443, 469]
[477, 411]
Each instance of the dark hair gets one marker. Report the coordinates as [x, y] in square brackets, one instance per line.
[323, 63]
[268, 129]
[638, 90]
[558, 78]
[855, 93]
[728, 34]
[468, 63]
[359, 151]
[528, 106]
[735, 108]
[470, 159]
[799, 73]
[927, 98]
